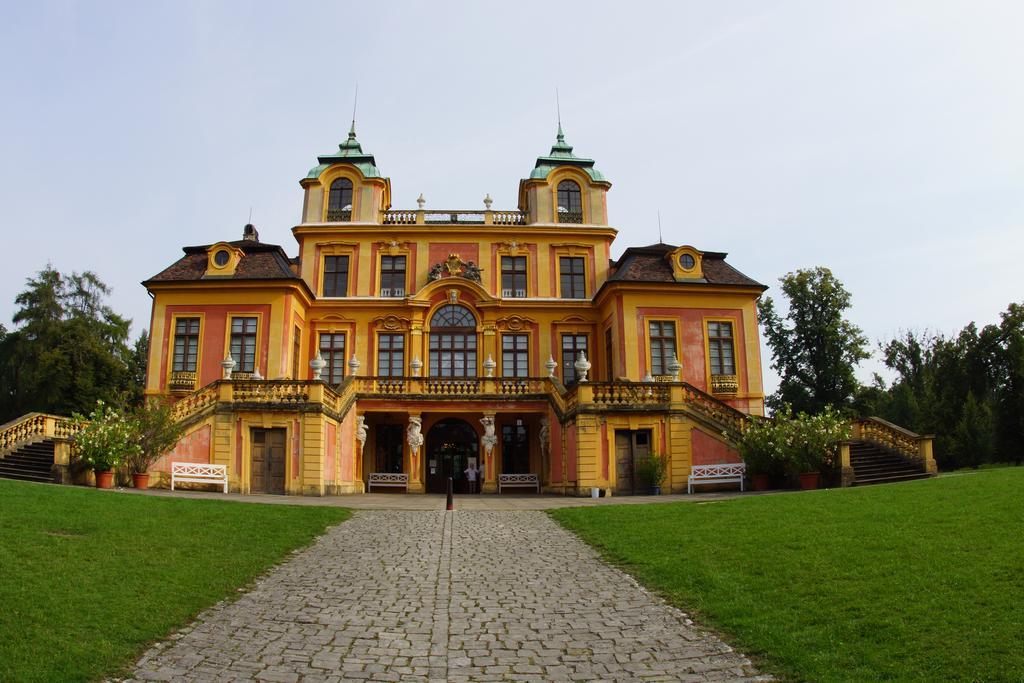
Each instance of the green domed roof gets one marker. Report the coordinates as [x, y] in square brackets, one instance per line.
[561, 155]
[349, 152]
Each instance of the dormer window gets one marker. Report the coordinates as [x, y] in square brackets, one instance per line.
[570, 202]
[339, 203]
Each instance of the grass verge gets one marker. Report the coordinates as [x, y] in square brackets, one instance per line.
[89, 578]
[915, 581]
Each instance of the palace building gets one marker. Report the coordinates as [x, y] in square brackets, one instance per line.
[397, 347]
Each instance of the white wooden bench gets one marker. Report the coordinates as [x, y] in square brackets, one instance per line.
[194, 473]
[395, 479]
[530, 480]
[716, 474]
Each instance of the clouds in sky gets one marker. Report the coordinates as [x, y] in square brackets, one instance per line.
[881, 139]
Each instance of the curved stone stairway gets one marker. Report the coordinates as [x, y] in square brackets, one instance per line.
[31, 462]
[875, 465]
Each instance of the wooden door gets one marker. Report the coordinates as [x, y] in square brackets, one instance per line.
[268, 460]
[623, 461]
[631, 447]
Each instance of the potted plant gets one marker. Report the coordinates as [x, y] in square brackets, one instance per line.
[763, 448]
[815, 444]
[104, 441]
[650, 472]
[155, 432]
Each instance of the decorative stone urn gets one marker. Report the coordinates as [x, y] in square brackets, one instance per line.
[551, 366]
[415, 366]
[674, 366]
[228, 364]
[489, 366]
[353, 365]
[317, 364]
[582, 366]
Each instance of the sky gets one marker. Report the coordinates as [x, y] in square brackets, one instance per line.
[883, 140]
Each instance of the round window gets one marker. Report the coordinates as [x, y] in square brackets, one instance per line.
[687, 262]
[221, 258]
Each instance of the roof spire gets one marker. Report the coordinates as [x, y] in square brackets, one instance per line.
[355, 101]
[558, 108]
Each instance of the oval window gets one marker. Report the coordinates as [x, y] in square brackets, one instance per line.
[687, 262]
[221, 258]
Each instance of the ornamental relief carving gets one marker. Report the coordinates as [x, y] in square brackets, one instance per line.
[392, 322]
[454, 266]
[392, 246]
[514, 323]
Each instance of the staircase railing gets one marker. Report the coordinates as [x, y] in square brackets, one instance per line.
[34, 427]
[914, 447]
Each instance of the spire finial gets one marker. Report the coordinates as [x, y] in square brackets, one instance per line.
[558, 108]
[355, 101]
[660, 240]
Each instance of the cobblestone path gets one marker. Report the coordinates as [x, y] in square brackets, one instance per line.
[457, 596]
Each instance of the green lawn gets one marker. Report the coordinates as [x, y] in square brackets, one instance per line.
[89, 578]
[916, 581]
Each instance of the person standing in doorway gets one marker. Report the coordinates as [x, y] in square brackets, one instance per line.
[471, 477]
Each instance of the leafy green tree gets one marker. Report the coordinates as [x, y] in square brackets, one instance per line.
[814, 348]
[68, 350]
[967, 389]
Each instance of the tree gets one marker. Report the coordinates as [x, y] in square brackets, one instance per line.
[814, 348]
[967, 390]
[69, 348]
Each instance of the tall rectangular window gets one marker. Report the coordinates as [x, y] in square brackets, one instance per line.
[720, 348]
[513, 276]
[332, 350]
[390, 355]
[663, 345]
[392, 276]
[572, 275]
[243, 343]
[514, 355]
[297, 354]
[336, 276]
[572, 346]
[186, 344]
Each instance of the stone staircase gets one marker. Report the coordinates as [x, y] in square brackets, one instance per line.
[873, 464]
[31, 462]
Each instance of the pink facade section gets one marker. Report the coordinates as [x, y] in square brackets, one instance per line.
[707, 450]
[193, 447]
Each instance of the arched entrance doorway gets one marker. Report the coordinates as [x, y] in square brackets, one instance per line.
[450, 444]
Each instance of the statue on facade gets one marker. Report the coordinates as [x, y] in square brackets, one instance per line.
[471, 271]
[361, 431]
[435, 272]
[545, 435]
[414, 435]
[489, 439]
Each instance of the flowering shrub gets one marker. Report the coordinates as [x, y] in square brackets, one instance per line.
[788, 445]
[106, 437]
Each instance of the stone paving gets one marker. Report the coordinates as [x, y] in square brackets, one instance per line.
[445, 596]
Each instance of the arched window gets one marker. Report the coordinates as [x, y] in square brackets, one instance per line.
[570, 202]
[339, 203]
[453, 315]
[453, 342]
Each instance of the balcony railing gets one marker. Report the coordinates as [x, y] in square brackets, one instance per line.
[392, 291]
[452, 217]
[513, 293]
[339, 215]
[724, 384]
[570, 216]
[182, 380]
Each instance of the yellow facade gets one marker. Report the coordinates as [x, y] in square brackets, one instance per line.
[454, 319]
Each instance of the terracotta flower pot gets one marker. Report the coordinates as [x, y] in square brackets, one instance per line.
[105, 479]
[140, 480]
[761, 482]
[809, 480]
